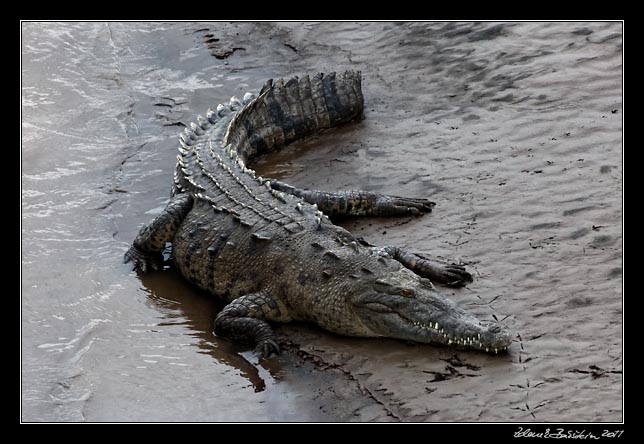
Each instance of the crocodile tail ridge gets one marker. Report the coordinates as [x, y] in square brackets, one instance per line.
[282, 112]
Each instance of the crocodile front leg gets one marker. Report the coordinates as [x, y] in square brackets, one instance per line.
[146, 249]
[357, 203]
[451, 275]
[245, 320]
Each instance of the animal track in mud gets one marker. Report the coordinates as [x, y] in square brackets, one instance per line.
[321, 364]
[218, 49]
[595, 371]
[456, 361]
[451, 371]
[168, 114]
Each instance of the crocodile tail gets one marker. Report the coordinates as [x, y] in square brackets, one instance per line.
[285, 111]
[190, 136]
[282, 112]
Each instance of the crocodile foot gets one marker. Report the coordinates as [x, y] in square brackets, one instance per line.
[453, 275]
[265, 348]
[357, 202]
[143, 261]
[400, 206]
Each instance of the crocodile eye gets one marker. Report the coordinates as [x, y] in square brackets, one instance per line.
[407, 292]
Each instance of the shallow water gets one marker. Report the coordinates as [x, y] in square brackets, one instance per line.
[515, 130]
[98, 343]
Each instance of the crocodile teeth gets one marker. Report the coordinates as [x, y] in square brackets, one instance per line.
[449, 342]
[487, 349]
[436, 326]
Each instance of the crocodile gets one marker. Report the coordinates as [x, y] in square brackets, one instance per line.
[270, 250]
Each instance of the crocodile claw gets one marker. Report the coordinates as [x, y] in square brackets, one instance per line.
[412, 206]
[456, 275]
[265, 348]
[143, 261]
[420, 205]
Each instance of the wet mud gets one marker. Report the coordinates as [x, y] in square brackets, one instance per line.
[513, 129]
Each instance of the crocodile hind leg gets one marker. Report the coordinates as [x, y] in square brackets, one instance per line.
[245, 320]
[357, 203]
[451, 275]
[146, 249]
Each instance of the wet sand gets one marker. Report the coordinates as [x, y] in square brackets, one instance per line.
[514, 129]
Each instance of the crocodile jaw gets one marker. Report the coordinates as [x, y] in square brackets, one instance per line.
[429, 317]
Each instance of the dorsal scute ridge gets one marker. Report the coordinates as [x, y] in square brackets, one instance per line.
[214, 150]
[238, 200]
[235, 104]
[189, 132]
[196, 129]
[248, 97]
[222, 110]
[211, 116]
[242, 113]
[202, 122]
[185, 139]
[183, 150]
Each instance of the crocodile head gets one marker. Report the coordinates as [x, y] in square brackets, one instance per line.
[404, 306]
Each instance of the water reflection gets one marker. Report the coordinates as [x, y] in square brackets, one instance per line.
[183, 304]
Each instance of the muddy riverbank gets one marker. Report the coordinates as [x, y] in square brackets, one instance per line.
[514, 129]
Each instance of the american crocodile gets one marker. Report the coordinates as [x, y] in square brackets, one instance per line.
[269, 249]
